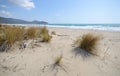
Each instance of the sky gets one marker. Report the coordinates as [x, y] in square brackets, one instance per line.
[63, 11]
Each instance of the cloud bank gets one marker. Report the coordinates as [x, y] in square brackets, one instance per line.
[27, 4]
[5, 13]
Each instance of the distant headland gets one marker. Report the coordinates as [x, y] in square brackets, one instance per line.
[4, 20]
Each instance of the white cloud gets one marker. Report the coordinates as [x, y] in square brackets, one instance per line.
[3, 6]
[27, 4]
[5, 13]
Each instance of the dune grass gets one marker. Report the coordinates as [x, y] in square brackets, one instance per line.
[44, 29]
[58, 61]
[88, 43]
[45, 35]
[53, 33]
[38, 32]
[2, 40]
[19, 33]
[30, 32]
[11, 34]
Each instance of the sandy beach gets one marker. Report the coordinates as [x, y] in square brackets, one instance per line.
[38, 57]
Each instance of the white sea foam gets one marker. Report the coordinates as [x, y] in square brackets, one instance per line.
[93, 27]
[106, 27]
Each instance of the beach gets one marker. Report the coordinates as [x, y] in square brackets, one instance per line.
[38, 57]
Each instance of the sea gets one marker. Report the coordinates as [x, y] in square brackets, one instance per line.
[106, 27]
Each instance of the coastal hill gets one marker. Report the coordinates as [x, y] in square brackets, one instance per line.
[19, 21]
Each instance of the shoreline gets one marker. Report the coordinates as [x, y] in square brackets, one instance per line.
[95, 27]
[83, 29]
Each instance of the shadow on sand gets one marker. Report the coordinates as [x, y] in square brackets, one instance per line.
[83, 53]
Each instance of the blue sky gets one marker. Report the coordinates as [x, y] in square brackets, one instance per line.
[63, 11]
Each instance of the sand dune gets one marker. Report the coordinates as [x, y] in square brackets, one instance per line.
[38, 57]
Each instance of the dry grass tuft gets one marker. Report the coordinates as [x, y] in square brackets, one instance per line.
[44, 30]
[1, 40]
[45, 35]
[10, 34]
[19, 33]
[31, 33]
[58, 64]
[58, 61]
[53, 33]
[88, 43]
[38, 32]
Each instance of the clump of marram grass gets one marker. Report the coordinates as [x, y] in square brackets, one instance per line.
[44, 30]
[88, 44]
[38, 32]
[58, 63]
[2, 32]
[10, 34]
[19, 33]
[13, 34]
[2, 39]
[45, 35]
[53, 33]
[3, 45]
[30, 33]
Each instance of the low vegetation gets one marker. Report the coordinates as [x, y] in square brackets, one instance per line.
[45, 35]
[88, 43]
[31, 32]
[10, 34]
[53, 33]
[58, 63]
